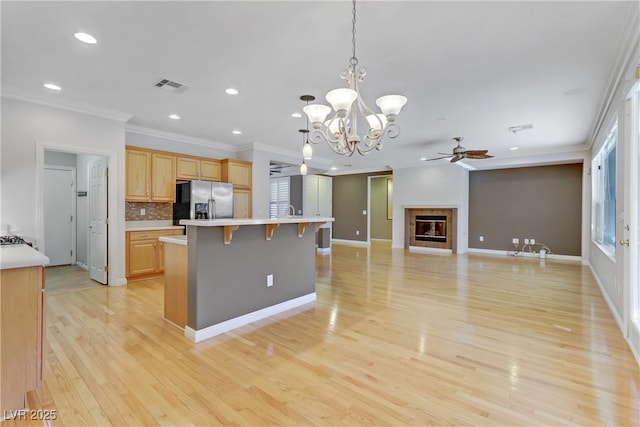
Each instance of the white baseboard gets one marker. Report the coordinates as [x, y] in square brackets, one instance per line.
[119, 282]
[82, 266]
[429, 250]
[350, 242]
[222, 327]
[380, 240]
[612, 307]
[525, 254]
[323, 251]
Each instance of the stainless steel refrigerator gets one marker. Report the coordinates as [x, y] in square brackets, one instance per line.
[203, 200]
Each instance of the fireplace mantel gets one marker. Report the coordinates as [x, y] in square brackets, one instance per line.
[431, 227]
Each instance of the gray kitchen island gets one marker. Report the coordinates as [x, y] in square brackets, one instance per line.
[243, 270]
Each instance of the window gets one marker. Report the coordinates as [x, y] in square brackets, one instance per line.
[279, 201]
[603, 167]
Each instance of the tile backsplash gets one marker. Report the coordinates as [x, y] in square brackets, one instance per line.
[153, 211]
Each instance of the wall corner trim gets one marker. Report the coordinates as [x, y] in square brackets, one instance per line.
[612, 307]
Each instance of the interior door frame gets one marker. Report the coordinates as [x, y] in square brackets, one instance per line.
[41, 147]
[74, 212]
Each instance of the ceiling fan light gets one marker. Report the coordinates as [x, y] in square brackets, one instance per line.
[374, 123]
[307, 151]
[316, 113]
[390, 105]
[341, 99]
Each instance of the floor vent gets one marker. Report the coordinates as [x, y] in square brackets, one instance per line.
[171, 86]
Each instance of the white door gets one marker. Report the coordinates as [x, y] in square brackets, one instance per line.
[98, 221]
[59, 214]
[632, 234]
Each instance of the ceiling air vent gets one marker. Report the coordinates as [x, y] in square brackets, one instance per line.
[171, 86]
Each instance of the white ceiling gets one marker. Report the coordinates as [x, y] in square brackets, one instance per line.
[468, 68]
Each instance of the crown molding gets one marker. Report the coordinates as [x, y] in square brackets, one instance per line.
[141, 130]
[76, 107]
[624, 60]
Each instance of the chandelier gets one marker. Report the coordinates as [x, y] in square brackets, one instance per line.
[340, 131]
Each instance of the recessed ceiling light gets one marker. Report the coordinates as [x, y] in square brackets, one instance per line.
[513, 148]
[52, 86]
[296, 115]
[334, 168]
[174, 116]
[236, 132]
[423, 158]
[231, 91]
[86, 38]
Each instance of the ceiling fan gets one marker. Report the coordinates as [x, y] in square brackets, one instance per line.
[459, 153]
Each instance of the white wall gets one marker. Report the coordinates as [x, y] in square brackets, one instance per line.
[607, 270]
[27, 130]
[444, 185]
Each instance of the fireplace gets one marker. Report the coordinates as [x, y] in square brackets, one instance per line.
[431, 228]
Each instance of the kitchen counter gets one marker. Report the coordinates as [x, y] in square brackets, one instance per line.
[19, 256]
[254, 221]
[217, 285]
[151, 225]
[176, 240]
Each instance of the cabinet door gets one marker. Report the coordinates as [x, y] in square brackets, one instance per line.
[160, 256]
[236, 172]
[310, 195]
[138, 167]
[163, 177]
[241, 203]
[187, 168]
[143, 258]
[210, 170]
[325, 197]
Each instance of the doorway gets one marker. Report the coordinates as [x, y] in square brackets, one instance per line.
[87, 266]
[380, 200]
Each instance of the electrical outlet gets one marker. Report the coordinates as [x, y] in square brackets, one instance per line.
[269, 280]
[481, 238]
[526, 241]
[143, 211]
[364, 212]
[515, 241]
[357, 232]
[532, 241]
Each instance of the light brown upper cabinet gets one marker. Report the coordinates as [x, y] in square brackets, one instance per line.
[198, 168]
[237, 172]
[241, 203]
[150, 176]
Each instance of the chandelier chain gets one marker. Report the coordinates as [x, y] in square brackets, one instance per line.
[354, 59]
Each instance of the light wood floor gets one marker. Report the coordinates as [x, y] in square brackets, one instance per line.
[65, 278]
[394, 338]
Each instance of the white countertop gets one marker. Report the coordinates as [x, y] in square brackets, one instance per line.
[151, 225]
[177, 240]
[19, 256]
[253, 221]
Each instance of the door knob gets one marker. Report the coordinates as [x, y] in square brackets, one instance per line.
[624, 242]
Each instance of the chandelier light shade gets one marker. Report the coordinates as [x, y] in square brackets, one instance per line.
[340, 130]
[303, 168]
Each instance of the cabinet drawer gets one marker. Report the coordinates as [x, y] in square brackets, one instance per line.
[152, 234]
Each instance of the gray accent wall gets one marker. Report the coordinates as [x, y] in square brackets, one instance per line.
[227, 281]
[295, 192]
[349, 200]
[542, 202]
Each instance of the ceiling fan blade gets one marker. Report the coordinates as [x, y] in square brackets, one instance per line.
[439, 158]
[478, 156]
[476, 151]
[456, 158]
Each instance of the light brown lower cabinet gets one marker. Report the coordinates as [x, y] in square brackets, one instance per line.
[22, 322]
[145, 253]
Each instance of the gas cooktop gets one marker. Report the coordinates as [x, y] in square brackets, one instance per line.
[11, 240]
